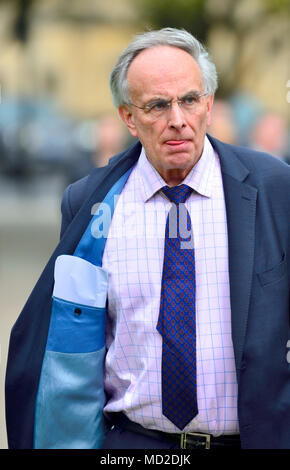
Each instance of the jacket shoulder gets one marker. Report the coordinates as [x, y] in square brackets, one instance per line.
[75, 195]
[259, 160]
[261, 165]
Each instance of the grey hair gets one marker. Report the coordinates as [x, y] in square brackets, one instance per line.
[163, 37]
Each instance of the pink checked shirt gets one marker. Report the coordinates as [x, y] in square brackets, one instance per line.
[133, 258]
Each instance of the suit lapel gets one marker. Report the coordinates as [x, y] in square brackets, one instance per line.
[240, 199]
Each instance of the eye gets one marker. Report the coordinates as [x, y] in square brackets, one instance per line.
[159, 105]
[190, 99]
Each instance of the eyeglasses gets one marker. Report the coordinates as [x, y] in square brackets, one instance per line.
[188, 103]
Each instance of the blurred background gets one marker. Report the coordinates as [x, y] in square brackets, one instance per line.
[57, 120]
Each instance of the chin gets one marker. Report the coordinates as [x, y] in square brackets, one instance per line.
[180, 163]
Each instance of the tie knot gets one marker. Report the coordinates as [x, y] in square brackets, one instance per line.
[177, 194]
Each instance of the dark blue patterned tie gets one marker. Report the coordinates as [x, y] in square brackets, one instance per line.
[176, 321]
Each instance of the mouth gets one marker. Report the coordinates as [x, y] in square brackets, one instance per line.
[177, 144]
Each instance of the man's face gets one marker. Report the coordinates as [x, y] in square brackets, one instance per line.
[173, 141]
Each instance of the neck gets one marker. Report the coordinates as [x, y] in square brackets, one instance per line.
[174, 177]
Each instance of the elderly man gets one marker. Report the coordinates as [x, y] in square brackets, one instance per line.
[178, 250]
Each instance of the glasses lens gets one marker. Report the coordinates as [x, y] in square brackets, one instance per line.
[158, 107]
[188, 103]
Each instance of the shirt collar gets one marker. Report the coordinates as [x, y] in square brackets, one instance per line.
[200, 178]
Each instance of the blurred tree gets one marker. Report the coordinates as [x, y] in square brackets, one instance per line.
[199, 15]
[237, 20]
[21, 27]
[22, 10]
[188, 14]
[277, 5]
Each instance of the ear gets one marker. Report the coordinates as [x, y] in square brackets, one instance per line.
[209, 107]
[128, 118]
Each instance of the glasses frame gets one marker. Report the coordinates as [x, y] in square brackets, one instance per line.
[180, 101]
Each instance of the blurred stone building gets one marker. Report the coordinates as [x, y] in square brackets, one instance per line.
[69, 53]
[72, 45]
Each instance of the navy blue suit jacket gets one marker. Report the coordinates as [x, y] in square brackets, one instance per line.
[256, 188]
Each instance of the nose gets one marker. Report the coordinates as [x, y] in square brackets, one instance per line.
[176, 118]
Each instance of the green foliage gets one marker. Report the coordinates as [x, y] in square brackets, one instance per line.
[277, 6]
[201, 17]
[187, 14]
[194, 16]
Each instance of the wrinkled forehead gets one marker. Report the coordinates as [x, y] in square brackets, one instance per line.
[163, 68]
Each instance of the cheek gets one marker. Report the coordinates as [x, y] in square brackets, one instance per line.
[151, 133]
[197, 124]
[203, 120]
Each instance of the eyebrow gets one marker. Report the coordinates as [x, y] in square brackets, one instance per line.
[159, 98]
